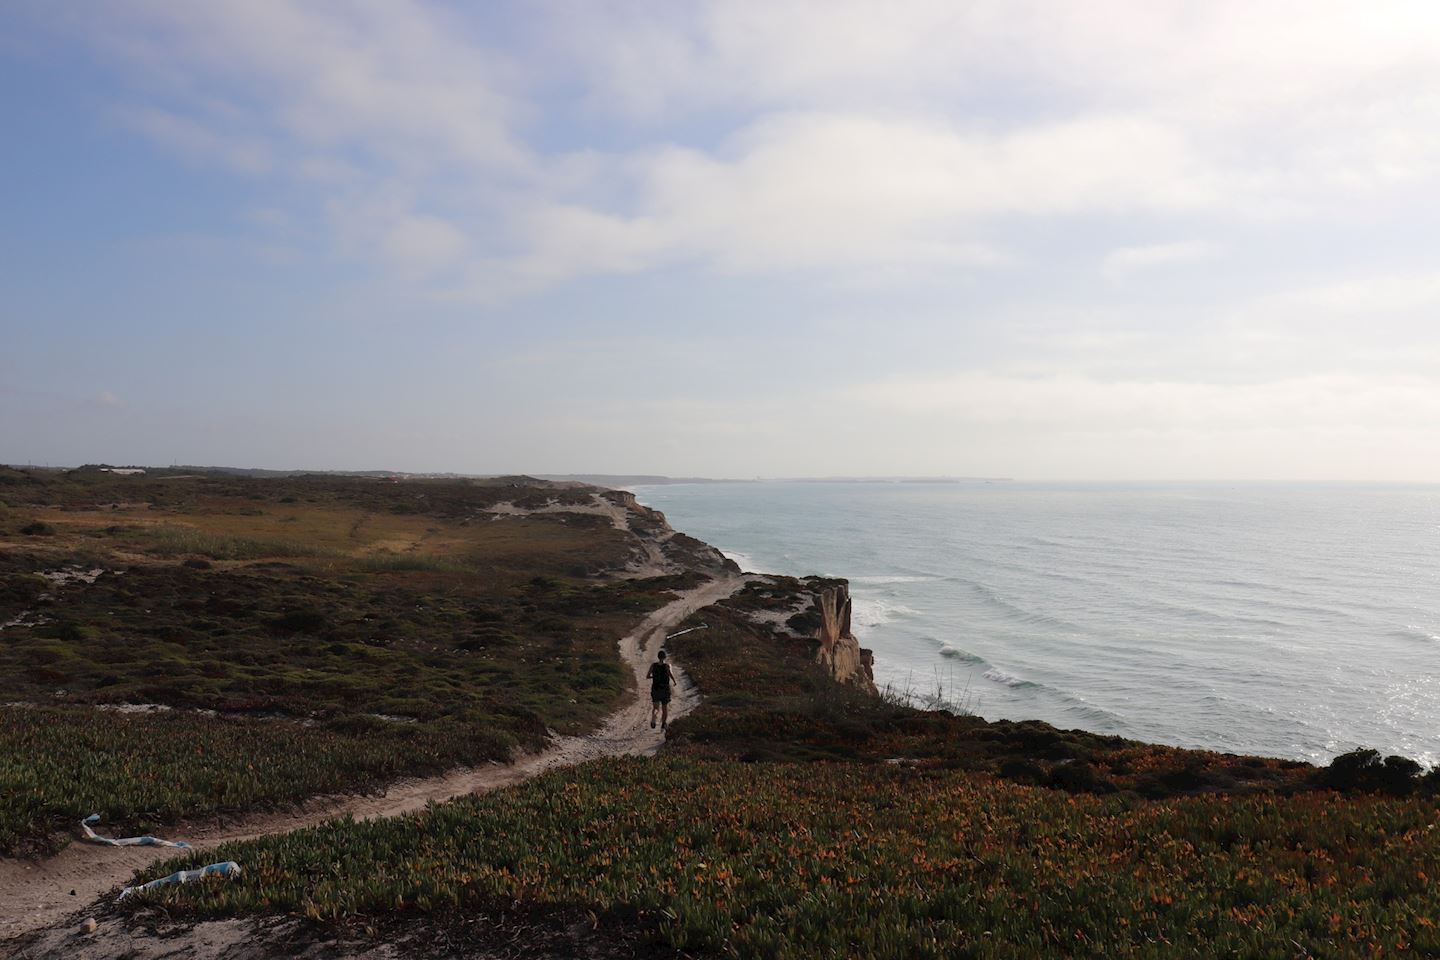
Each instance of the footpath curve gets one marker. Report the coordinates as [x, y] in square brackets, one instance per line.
[39, 894]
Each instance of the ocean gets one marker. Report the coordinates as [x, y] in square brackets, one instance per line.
[1288, 621]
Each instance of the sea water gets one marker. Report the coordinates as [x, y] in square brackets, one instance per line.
[1290, 621]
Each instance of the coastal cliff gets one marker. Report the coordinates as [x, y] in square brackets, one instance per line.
[840, 652]
[661, 548]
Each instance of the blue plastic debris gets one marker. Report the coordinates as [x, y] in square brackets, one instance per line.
[227, 869]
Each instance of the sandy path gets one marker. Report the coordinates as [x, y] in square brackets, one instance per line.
[34, 895]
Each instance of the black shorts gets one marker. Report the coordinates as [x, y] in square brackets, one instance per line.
[659, 694]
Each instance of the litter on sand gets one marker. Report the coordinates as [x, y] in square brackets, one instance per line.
[145, 841]
[227, 869]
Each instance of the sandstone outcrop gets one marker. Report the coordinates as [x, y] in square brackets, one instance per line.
[839, 651]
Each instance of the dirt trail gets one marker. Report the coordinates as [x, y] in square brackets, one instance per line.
[34, 895]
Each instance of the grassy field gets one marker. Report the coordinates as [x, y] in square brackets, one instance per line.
[359, 629]
[844, 860]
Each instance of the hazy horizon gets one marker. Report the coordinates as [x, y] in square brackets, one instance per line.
[637, 478]
[1104, 242]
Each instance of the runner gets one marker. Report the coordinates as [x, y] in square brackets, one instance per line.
[661, 678]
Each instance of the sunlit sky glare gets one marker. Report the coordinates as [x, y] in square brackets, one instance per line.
[1098, 240]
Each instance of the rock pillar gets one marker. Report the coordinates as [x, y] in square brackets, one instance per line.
[839, 651]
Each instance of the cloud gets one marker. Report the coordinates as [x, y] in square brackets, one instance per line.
[198, 141]
[1380, 322]
[1336, 427]
[789, 137]
[814, 192]
[1123, 262]
[1058, 426]
[806, 190]
[1361, 299]
[397, 80]
[756, 139]
[423, 244]
[107, 399]
[1069, 403]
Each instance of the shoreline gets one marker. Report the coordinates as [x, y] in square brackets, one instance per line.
[1236, 719]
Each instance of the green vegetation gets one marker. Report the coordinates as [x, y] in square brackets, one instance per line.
[387, 629]
[301, 609]
[189, 542]
[276, 639]
[793, 818]
[840, 860]
[145, 770]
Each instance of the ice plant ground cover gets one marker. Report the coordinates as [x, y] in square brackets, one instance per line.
[60, 764]
[834, 859]
[794, 818]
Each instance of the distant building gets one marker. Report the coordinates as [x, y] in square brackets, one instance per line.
[123, 471]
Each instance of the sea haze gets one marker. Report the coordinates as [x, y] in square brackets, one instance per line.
[1287, 621]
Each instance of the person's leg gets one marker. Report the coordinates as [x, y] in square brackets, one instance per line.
[664, 714]
[654, 709]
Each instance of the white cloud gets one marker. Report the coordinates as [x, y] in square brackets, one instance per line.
[1068, 403]
[1378, 322]
[807, 190]
[1126, 261]
[850, 136]
[1362, 299]
[845, 192]
[1057, 426]
[398, 80]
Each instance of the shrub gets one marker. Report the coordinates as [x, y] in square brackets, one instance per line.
[39, 528]
[1078, 777]
[1022, 771]
[1364, 770]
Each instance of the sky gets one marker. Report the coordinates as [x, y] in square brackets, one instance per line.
[1143, 240]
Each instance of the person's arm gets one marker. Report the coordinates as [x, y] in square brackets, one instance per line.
[651, 672]
[673, 682]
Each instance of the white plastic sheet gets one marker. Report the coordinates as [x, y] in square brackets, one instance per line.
[145, 841]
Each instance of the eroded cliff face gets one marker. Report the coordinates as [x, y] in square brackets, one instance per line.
[839, 651]
[662, 549]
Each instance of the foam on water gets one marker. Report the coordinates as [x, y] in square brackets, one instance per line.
[743, 560]
[996, 675]
[951, 652]
[876, 611]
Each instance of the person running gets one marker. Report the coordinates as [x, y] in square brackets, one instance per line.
[661, 678]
